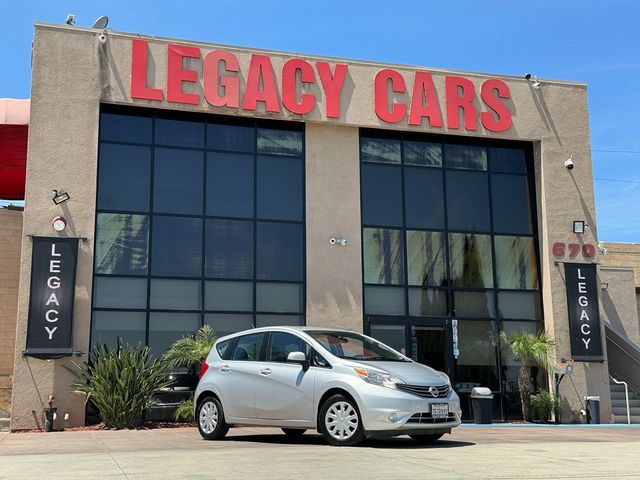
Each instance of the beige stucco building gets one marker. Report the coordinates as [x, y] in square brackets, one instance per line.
[123, 123]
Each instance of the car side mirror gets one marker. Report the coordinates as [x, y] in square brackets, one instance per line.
[299, 357]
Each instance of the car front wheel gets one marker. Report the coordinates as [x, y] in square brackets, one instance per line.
[210, 416]
[340, 422]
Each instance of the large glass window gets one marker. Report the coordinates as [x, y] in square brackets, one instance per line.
[177, 246]
[511, 204]
[381, 195]
[468, 201]
[424, 201]
[447, 226]
[229, 249]
[113, 327]
[279, 251]
[122, 244]
[200, 220]
[478, 341]
[177, 181]
[426, 258]
[384, 258]
[449, 232]
[229, 185]
[123, 177]
[516, 266]
[470, 260]
[280, 185]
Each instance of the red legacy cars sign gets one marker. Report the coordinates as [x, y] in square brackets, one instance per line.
[221, 87]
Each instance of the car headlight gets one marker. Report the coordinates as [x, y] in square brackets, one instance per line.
[445, 377]
[378, 378]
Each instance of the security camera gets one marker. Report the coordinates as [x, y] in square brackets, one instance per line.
[569, 164]
[343, 241]
[527, 76]
[332, 241]
[71, 19]
[102, 37]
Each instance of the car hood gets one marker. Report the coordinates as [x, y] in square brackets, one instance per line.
[411, 372]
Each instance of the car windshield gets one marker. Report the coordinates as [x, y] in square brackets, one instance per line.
[353, 346]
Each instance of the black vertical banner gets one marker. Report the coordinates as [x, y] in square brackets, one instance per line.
[584, 313]
[53, 280]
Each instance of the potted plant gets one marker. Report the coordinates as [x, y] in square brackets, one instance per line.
[530, 350]
[543, 404]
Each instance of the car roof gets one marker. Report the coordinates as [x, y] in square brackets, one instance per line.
[283, 328]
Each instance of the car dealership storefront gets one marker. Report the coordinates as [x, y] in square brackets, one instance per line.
[240, 188]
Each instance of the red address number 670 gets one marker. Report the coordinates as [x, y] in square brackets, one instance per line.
[560, 250]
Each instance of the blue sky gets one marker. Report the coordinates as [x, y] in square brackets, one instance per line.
[585, 40]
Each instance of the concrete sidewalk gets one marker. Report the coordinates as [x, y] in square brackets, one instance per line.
[470, 452]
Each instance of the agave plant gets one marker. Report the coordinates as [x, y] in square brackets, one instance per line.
[530, 350]
[120, 382]
[191, 351]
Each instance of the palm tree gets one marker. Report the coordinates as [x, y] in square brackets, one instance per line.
[530, 350]
[191, 351]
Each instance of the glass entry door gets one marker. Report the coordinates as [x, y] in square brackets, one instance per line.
[427, 341]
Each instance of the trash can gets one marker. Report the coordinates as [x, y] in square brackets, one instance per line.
[592, 406]
[482, 403]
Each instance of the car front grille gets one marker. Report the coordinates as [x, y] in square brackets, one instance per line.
[425, 417]
[423, 390]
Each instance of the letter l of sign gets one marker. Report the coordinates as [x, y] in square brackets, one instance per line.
[53, 251]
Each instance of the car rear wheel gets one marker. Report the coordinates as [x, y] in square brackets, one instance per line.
[294, 432]
[340, 422]
[427, 439]
[210, 416]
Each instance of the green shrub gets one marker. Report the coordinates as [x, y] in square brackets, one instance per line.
[543, 404]
[192, 350]
[119, 382]
[184, 412]
[529, 349]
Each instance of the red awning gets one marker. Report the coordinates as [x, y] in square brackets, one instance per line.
[14, 132]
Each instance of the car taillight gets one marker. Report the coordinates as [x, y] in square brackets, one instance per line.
[203, 368]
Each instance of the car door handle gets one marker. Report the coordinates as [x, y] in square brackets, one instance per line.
[224, 368]
[265, 371]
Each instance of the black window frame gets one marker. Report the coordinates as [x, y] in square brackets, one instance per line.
[496, 321]
[206, 119]
[449, 288]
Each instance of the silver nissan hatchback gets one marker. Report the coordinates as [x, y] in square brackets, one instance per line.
[344, 384]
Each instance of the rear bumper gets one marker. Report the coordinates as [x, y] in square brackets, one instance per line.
[392, 412]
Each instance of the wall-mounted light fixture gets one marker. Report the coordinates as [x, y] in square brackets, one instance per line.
[60, 196]
[579, 227]
[604, 285]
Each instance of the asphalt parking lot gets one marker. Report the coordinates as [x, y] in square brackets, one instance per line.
[471, 452]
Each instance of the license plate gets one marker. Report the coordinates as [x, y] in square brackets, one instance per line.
[440, 410]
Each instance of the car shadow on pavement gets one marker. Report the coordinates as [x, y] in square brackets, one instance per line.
[401, 442]
[315, 439]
